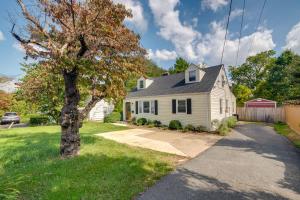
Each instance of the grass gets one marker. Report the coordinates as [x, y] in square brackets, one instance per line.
[284, 129]
[31, 168]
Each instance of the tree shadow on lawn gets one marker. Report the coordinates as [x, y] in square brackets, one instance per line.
[32, 169]
[269, 145]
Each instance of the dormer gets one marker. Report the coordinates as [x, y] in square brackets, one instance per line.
[143, 83]
[194, 73]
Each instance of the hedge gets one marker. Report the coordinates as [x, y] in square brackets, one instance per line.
[39, 120]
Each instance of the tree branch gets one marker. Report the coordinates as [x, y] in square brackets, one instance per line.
[89, 106]
[83, 48]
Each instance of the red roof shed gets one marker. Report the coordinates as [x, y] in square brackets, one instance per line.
[260, 103]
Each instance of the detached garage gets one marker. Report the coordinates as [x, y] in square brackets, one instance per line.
[260, 103]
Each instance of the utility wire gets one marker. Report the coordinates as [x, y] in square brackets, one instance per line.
[226, 31]
[241, 28]
[257, 25]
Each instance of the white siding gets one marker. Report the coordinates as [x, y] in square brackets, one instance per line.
[200, 109]
[100, 110]
[220, 92]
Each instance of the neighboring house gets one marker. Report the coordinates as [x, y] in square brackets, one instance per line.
[100, 110]
[260, 103]
[197, 96]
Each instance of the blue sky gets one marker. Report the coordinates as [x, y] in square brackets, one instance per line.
[192, 29]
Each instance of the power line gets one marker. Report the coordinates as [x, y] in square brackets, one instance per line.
[257, 25]
[226, 31]
[241, 28]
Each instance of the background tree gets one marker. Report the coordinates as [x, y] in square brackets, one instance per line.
[180, 66]
[254, 70]
[84, 42]
[242, 94]
[5, 102]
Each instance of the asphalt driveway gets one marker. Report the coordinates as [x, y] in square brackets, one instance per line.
[252, 163]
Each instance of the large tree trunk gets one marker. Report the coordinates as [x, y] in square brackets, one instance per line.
[70, 121]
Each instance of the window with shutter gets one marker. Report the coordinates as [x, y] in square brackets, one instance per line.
[173, 105]
[189, 106]
[156, 107]
[181, 106]
[136, 107]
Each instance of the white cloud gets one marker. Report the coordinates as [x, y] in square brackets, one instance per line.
[213, 4]
[1, 36]
[167, 18]
[198, 47]
[138, 19]
[210, 47]
[236, 13]
[162, 55]
[293, 39]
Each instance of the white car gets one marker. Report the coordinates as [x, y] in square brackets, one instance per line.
[10, 117]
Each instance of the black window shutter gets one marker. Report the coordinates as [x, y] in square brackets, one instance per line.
[189, 106]
[156, 107]
[136, 107]
[173, 105]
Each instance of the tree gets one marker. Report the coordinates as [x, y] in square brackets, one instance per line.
[5, 102]
[254, 70]
[180, 66]
[83, 42]
[242, 94]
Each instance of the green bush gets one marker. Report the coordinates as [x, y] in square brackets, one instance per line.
[175, 125]
[150, 122]
[141, 121]
[164, 127]
[157, 123]
[189, 127]
[112, 117]
[223, 128]
[39, 120]
[200, 129]
[231, 122]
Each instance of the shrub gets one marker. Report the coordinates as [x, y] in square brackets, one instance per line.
[39, 120]
[175, 125]
[150, 122]
[231, 122]
[112, 117]
[189, 127]
[215, 124]
[223, 129]
[157, 123]
[133, 120]
[164, 127]
[141, 121]
[201, 129]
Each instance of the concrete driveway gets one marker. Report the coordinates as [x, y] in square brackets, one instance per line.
[182, 144]
[252, 163]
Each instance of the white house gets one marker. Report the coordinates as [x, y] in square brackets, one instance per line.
[197, 96]
[100, 110]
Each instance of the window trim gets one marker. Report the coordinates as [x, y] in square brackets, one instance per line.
[192, 71]
[148, 107]
[177, 105]
[143, 84]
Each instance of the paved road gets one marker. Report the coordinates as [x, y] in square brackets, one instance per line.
[252, 163]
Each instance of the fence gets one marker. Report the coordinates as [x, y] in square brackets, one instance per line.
[261, 114]
[292, 113]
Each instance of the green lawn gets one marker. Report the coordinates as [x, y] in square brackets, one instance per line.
[284, 129]
[30, 166]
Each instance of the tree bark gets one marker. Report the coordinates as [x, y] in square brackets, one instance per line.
[70, 121]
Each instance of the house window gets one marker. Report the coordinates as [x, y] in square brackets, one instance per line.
[221, 106]
[181, 106]
[141, 84]
[146, 106]
[192, 75]
[140, 107]
[152, 107]
[226, 106]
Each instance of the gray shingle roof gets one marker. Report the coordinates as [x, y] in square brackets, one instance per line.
[175, 84]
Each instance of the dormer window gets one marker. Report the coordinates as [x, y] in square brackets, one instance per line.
[141, 84]
[192, 75]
